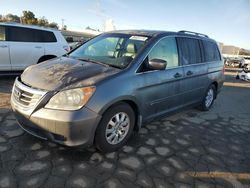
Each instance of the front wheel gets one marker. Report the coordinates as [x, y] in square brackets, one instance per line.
[208, 99]
[115, 128]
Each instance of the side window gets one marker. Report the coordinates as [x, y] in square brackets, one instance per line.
[211, 51]
[49, 36]
[45, 36]
[165, 49]
[190, 52]
[2, 33]
[19, 34]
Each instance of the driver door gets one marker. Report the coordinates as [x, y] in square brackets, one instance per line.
[162, 89]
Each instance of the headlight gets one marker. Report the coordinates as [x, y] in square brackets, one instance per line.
[72, 99]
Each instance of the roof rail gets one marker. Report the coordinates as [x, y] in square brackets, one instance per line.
[193, 33]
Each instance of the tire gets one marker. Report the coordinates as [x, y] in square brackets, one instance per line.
[209, 98]
[117, 123]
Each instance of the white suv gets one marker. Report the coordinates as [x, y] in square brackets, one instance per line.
[24, 45]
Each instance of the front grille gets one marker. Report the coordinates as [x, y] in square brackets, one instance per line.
[26, 96]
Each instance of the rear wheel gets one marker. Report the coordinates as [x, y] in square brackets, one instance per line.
[209, 97]
[115, 128]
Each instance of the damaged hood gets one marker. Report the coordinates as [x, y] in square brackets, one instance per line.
[65, 72]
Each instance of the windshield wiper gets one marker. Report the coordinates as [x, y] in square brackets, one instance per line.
[92, 61]
[98, 62]
[115, 66]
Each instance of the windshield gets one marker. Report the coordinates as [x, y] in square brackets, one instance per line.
[116, 50]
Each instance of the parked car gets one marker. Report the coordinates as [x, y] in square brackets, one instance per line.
[245, 62]
[233, 62]
[115, 83]
[245, 73]
[24, 45]
[74, 45]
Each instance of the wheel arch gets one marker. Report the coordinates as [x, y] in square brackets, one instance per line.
[132, 102]
[46, 57]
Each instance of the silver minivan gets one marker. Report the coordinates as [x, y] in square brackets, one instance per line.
[115, 83]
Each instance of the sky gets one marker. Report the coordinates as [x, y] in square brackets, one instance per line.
[226, 21]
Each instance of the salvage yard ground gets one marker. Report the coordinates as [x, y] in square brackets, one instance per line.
[188, 149]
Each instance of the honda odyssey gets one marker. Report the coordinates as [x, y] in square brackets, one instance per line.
[116, 82]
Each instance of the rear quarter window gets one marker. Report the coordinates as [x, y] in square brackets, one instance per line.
[211, 51]
[45, 36]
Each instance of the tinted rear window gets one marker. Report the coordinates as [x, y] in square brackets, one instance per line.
[189, 51]
[45, 36]
[20, 34]
[211, 51]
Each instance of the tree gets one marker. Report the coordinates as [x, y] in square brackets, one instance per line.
[1, 18]
[29, 18]
[9, 18]
[53, 25]
[12, 18]
[42, 22]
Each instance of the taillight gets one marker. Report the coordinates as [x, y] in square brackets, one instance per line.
[66, 48]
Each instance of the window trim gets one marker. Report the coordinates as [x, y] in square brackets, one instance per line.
[172, 36]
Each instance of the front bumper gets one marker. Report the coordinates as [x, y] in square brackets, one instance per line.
[71, 128]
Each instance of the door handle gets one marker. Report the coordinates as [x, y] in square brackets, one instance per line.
[38, 47]
[189, 73]
[178, 75]
[3, 46]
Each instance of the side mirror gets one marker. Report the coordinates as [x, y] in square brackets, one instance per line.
[157, 64]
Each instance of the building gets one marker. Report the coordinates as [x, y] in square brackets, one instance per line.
[75, 36]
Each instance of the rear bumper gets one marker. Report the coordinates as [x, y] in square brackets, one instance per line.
[70, 128]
